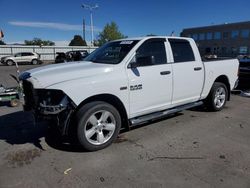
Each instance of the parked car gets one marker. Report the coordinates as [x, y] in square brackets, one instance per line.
[21, 58]
[61, 57]
[126, 83]
[244, 74]
[243, 56]
[77, 55]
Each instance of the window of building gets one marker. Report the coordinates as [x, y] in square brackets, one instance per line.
[245, 33]
[217, 35]
[225, 35]
[209, 36]
[153, 48]
[235, 34]
[202, 36]
[243, 50]
[182, 50]
[195, 37]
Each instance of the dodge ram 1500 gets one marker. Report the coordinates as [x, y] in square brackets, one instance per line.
[125, 83]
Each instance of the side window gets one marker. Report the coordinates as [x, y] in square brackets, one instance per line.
[27, 54]
[154, 49]
[182, 50]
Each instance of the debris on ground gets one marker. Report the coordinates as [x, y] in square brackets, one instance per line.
[121, 138]
[222, 157]
[102, 179]
[67, 170]
[180, 158]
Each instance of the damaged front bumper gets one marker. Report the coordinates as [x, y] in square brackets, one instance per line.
[49, 104]
[54, 109]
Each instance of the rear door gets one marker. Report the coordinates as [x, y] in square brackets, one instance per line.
[150, 85]
[18, 57]
[188, 73]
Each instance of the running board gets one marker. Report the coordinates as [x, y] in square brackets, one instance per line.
[143, 119]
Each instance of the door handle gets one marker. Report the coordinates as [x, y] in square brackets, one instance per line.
[197, 68]
[165, 72]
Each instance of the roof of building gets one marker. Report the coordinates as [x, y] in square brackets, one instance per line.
[218, 26]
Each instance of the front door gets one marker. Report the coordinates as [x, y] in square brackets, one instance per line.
[150, 82]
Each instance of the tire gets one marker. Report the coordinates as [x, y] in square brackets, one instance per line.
[34, 62]
[14, 102]
[9, 62]
[98, 125]
[217, 97]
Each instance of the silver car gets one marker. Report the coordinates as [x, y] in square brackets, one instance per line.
[20, 58]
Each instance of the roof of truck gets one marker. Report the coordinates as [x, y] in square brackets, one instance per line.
[151, 37]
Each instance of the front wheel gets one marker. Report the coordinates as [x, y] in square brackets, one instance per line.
[217, 97]
[9, 62]
[98, 125]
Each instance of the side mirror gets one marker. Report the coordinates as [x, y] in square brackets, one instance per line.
[142, 61]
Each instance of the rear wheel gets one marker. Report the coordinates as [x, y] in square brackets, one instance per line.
[14, 102]
[217, 97]
[98, 125]
[34, 62]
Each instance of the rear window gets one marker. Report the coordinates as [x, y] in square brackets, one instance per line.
[182, 50]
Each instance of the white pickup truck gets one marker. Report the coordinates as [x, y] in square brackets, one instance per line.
[125, 83]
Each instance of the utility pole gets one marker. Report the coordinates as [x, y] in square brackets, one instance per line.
[83, 29]
[91, 8]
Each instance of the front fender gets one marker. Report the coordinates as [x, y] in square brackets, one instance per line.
[81, 89]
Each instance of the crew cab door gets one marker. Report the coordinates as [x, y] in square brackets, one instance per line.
[188, 72]
[150, 78]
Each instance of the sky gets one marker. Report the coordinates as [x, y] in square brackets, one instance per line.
[60, 20]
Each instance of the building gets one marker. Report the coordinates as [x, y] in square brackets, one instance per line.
[226, 40]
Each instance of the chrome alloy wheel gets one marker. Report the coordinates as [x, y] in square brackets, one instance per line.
[100, 127]
[220, 97]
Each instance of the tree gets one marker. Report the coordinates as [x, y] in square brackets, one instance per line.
[39, 42]
[110, 32]
[2, 42]
[77, 41]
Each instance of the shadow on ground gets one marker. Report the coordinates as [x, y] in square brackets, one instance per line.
[20, 128]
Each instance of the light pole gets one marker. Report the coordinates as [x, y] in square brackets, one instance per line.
[91, 8]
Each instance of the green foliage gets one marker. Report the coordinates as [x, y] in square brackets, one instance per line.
[39, 42]
[77, 41]
[110, 32]
[2, 42]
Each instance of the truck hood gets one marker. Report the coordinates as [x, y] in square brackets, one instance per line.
[46, 76]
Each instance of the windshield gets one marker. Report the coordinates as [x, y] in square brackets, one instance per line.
[112, 52]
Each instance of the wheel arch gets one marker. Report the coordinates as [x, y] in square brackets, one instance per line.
[9, 60]
[114, 101]
[224, 79]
